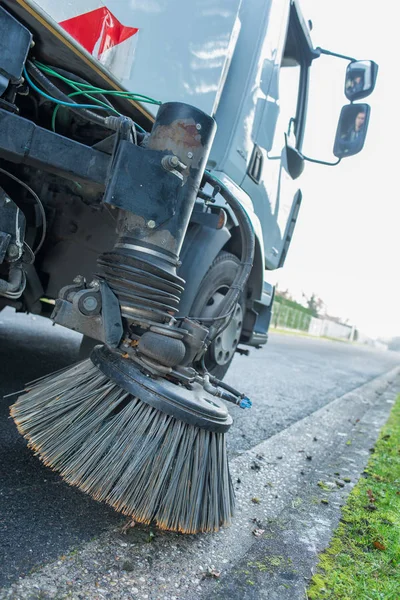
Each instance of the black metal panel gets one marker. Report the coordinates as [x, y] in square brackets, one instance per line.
[15, 41]
[139, 184]
[21, 141]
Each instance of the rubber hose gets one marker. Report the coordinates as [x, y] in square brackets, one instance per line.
[54, 91]
[14, 282]
[248, 246]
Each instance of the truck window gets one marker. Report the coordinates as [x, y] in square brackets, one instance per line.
[289, 86]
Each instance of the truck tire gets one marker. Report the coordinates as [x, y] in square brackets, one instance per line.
[213, 288]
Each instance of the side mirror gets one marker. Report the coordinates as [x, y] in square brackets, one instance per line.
[293, 160]
[360, 79]
[351, 130]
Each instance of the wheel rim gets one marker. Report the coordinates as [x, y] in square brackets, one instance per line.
[224, 345]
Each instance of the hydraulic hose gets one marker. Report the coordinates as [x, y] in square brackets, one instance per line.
[15, 285]
[248, 246]
[54, 91]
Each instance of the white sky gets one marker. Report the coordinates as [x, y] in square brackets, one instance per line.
[346, 244]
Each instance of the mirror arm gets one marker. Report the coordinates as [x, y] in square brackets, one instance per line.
[321, 162]
[320, 51]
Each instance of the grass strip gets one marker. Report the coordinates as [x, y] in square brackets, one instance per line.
[363, 559]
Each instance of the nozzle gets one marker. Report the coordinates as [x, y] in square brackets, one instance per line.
[245, 403]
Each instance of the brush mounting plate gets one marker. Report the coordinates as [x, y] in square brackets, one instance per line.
[194, 406]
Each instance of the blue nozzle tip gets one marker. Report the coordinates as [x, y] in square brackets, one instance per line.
[245, 403]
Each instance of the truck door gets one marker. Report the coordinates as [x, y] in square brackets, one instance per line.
[269, 179]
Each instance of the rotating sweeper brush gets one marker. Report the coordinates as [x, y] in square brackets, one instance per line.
[138, 425]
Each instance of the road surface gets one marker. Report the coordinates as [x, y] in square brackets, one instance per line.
[42, 518]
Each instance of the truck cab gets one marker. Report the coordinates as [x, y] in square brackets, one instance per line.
[245, 63]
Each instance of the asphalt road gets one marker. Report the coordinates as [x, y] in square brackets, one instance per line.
[42, 518]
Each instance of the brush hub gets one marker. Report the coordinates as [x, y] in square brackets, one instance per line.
[193, 406]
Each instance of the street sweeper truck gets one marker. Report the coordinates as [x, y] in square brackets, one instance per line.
[149, 167]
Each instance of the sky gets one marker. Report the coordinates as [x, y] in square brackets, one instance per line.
[346, 244]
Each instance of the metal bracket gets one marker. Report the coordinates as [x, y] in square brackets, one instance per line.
[100, 321]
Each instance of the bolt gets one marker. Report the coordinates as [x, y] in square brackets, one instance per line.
[198, 126]
[94, 284]
[190, 154]
[13, 251]
[7, 200]
[90, 303]
[32, 44]
[79, 279]
[151, 224]
[169, 162]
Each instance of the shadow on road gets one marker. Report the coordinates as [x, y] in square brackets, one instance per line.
[40, 516]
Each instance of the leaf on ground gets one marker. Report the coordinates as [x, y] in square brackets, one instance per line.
[212, 572]
[327, 486]
[151, 536]
[371, 496]
[379, 545]
[258, 532]
[256, 500]
[128, 525]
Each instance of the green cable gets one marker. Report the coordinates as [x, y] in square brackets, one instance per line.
[99, 102]
[94, 91]
[131, 95]
[91, 89]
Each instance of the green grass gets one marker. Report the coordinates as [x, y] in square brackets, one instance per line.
[363, 559]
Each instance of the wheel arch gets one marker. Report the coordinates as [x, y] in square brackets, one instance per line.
[201, 246]
[254, 282]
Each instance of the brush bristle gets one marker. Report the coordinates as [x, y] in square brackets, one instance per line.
[122, 451]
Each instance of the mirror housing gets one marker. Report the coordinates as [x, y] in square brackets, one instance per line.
[351, 130]
[360, 79]
[293, 160]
